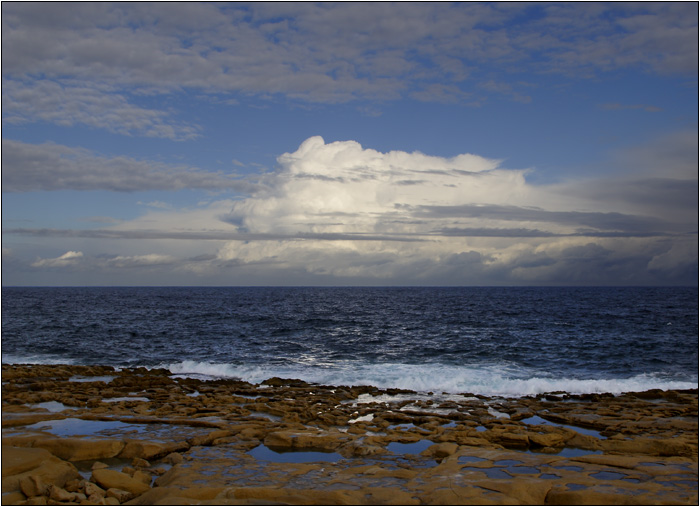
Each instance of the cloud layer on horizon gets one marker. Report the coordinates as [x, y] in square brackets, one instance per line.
[340, 212]
[50, 166]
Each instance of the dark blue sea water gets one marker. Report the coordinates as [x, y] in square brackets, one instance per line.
[492, 341]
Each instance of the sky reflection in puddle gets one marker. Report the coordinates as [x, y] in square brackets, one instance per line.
[73, 427]
[608, 476]
[537, 420]
[491, 473]
[102, 378]
[125, 398]
[264, 453]
[265, 415]
[412, 448]
[51, 406]
[469, 459]
[568, 452]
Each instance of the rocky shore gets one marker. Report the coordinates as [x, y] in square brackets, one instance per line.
[93, 435]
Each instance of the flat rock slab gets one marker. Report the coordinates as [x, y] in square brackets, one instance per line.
[168, 440]
[16, 460]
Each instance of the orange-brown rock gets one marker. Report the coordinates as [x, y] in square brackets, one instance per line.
[33, 485]
[647, 453]
[295, 496]
[107, 479]
[653, 447]
[439, 451]
[121, 495]
[148, 450]
[91, 489]
[299, 440]
[19, 463]
[508, 439]
[60, 494]
[80, 449]
[529, 492]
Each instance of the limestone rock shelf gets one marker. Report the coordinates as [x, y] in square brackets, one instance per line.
[93, 435]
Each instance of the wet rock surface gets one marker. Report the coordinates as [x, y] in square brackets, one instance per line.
[93, 435]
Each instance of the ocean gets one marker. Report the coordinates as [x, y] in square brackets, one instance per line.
[493, 341]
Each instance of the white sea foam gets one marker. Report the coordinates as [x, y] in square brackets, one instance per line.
[364, 418]
[494, 380]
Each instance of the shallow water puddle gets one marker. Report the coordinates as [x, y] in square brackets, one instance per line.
[51, 406]
[412, 448]
[73, 427]
[498, 415]
[125, 398]
[102, 378]
[404, 426]
[506, 462]
[567, 452]
[608, 476]
[513, 466]
[521, 469]
[491, 473]
[264, 453]
[469, 459]
[537, 420]
[364, 418]
[265, 415]
[675, 483]
[572, 452]
[430, 409]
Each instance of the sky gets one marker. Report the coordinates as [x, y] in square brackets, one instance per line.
[349, 143]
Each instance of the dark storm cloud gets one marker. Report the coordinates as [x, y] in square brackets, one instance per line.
[675, 199]
[475, 232]
[603, 221]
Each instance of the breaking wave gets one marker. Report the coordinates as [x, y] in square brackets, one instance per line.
[495, 380]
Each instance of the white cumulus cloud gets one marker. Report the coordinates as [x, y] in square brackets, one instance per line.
[70, 258]
[343, 187]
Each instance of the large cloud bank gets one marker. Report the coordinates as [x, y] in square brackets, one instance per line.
[341, 210]
[337, 213]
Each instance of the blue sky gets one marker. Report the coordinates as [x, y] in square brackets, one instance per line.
[350, 143]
